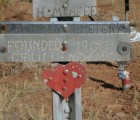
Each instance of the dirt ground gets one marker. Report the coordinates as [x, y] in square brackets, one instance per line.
[23, 96]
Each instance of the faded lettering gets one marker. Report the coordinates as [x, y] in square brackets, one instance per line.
[44, 45]
[89, 28]
[92, 46]
[51, 45]
[41, 13]
[64, 8]
[71, 11]
[36, 48]
[79, 56]
[87, 11]
[85, 45]
[19, 46]
[79, 11]
[93, 29]
[42, 50]
[77, 29]
[98, 28]
[57, 11]
[10, 45]
[93, 10]
[40, 45]
[103, 46]
[104, 29]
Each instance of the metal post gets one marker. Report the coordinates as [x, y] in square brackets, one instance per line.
[57, 106]
[76, 105]
[126, 9]
[75, 99]
[71, 108]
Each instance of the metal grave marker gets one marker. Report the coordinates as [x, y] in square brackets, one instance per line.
[63, 8]
[64, 41]
[68, 42]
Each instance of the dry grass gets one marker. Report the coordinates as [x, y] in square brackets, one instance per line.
[22, 11]
[14, 106]
[17, 90]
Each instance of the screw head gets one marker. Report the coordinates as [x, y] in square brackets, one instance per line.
[79, 76]
[64, 43]
[67, 110]
[3, 50]
[124, 48]
[65, 80]
[65, 72]
[65, 6]
[50, 78]
[64, 88]
[65, 27]
[64, 48]
[3, 27]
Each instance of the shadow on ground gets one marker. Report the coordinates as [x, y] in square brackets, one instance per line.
[105, 84]
[103, 63]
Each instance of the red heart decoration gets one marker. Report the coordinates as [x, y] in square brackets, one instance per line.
[64, 79]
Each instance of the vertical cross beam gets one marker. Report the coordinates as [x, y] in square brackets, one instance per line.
[67, 109]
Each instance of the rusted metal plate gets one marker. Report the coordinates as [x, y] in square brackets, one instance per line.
[63, 8]
[65, 79]
[64, 41]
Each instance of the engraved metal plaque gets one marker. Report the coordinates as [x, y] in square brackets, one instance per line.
[64, 41]
[63, 8]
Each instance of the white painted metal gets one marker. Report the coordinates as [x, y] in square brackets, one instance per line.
[57, 106]
[63, 8]
[76, 105]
